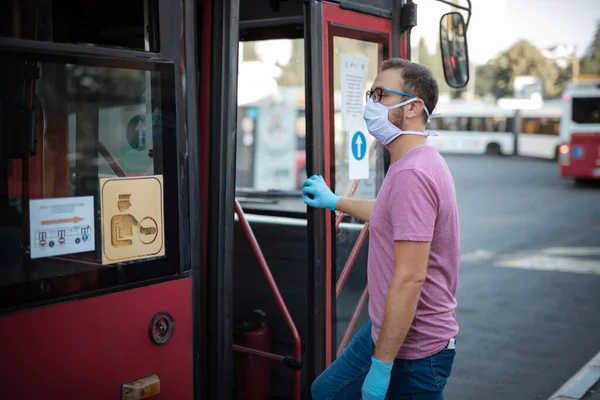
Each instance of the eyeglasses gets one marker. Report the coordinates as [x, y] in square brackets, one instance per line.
[377, 94]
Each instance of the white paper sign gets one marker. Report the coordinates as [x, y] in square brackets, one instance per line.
[354, 74]
[275, 145]
[61, 226]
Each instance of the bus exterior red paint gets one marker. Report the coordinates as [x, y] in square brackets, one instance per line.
[86, 349]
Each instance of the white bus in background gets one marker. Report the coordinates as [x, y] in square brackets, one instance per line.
[473, 127]
[539, 129]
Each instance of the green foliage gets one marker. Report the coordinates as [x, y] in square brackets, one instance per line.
[523, 58]
[590, 63]
[433, 60]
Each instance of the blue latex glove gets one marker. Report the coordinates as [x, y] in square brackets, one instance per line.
[317, 194]
[377, 381]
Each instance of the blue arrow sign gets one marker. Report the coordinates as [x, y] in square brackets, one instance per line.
[359, 145]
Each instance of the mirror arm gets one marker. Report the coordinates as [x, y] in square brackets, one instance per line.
[467, 9]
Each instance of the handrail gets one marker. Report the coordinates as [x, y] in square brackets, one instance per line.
[297, 361]
[353, 320]
[111, 160]
[351, 258]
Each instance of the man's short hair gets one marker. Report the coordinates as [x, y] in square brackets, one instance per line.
[418, 80]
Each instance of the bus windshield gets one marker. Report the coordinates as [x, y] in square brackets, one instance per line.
[586, 110]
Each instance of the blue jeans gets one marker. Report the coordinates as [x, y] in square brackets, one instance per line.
[422, 379]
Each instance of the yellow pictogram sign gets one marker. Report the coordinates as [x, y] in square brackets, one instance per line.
[132, 218]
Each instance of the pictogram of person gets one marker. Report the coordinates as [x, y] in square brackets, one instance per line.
[122, 225]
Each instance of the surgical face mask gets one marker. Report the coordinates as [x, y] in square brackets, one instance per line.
[380, 127]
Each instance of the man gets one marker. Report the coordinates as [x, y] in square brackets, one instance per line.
[406, 350]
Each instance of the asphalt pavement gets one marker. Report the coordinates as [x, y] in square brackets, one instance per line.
[529, 289]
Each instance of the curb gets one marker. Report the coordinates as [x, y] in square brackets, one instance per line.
[579, 384]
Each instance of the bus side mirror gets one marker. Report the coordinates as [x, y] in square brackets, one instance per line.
[453, 43]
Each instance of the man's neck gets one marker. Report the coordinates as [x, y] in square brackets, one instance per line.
[403, 144]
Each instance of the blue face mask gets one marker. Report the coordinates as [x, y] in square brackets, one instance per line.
[380, 127]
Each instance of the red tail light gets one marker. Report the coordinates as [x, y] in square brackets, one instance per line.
[563, 152]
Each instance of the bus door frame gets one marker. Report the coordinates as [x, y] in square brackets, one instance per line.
[218, 32]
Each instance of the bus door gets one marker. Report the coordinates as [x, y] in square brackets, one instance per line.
[354, 39]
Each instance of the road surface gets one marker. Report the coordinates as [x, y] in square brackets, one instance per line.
[529, 291]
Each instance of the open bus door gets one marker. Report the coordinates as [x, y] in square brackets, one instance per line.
[354, 39]
[286, 258]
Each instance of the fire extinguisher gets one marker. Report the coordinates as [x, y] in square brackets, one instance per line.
[253, 373]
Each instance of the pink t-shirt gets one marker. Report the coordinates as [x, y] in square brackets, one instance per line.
[417, 202]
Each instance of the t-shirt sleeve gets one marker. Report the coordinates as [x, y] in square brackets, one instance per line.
[414, 206]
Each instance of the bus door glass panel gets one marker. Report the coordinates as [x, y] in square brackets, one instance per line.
[271, 123]
[356, 63]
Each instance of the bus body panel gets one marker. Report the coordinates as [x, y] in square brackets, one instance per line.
[86, 349]
[584, 157]
[538, 146]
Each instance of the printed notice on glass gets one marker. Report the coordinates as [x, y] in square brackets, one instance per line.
[61, 226]
[354, 74]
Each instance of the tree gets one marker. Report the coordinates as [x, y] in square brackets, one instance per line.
[523, 58]
[434, 62]
[590, 63]
[485, 79]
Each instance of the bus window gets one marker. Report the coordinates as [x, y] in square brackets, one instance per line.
[109, 23]
[479, 124]
[94, 122]
[541, 126]
[586, 110]
[271, 127]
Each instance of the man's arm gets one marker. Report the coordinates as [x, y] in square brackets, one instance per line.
[402, 298]
[358, 208]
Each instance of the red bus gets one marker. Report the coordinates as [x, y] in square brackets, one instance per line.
[135, 264]
[579, 153]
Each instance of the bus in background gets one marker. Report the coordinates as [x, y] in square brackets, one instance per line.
[473, 127]
[538, 133]
[580, 131]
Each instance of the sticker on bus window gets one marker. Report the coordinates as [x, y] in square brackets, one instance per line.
[61, 226]
[354, 71]
[132, 218]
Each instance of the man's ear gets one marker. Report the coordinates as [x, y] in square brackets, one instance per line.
[415, 109]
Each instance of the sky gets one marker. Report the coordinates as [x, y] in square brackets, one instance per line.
[497, 24]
